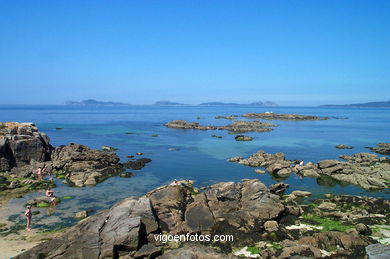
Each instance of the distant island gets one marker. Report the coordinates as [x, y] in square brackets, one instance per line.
[259, 103]
[95, 103]
[385, 104]
[91, 102]
[168, 103]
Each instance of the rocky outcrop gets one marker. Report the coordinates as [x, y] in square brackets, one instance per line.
[274, 163]
[280, 116]
[82, 166]
[131, 227]
[243, 138]
[257, 220]
[342, 146]
[137, 164]
[238, 126]
[363, 169]
[21, 143]
[381, 148]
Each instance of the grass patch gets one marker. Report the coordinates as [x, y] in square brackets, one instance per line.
[253, 250]
[327, 224]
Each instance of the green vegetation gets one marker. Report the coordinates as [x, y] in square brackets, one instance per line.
[42, 205]
[327, 223]
[67, 197]
[276, 245]
[253, 250]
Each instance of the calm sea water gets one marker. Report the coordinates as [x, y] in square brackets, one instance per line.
[197, 155]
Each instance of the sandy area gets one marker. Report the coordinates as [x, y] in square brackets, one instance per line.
[14, 244]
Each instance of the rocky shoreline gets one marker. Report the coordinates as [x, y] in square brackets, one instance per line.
[363, 169]
[23, 149]
[264, 225]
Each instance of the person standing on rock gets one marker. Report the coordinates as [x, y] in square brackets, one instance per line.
[28, 215]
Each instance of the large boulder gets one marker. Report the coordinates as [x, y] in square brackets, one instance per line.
[21, 143]
[109, 234]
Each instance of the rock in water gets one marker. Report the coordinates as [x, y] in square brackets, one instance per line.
[280, 116]
[137, 164]
[20, 143]
[341, 146]
[84, 166]
[243, 138]
[381, 148]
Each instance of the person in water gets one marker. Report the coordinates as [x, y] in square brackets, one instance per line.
[28, 215]
[39, 173]
[50, 194]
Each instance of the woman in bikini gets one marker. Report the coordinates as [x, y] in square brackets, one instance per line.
[28, 215]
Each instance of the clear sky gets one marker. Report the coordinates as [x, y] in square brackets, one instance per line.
[293, 52]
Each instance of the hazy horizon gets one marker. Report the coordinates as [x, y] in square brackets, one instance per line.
[294, 53]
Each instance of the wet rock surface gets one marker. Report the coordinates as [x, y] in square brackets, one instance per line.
[280, 116]
[268, 226]
[238, 126]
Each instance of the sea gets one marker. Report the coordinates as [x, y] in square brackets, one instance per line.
[190, 154]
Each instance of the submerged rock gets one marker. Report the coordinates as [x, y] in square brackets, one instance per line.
[137, 164]
[231, 117]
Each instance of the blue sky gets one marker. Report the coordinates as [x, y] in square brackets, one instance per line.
[291, 52]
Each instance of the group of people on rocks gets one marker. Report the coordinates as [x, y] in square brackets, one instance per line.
[40, 175]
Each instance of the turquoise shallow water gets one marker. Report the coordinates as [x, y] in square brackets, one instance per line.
[197, 155]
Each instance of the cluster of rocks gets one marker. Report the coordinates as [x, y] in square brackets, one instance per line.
[238, 126]
[274, 163]
[282, 116]
[21, 143]
[83, 166]
[247, 210]
[381, 148]
[23, 149]
[363, 169]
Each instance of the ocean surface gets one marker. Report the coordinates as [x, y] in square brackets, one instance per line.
[190, 154]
